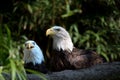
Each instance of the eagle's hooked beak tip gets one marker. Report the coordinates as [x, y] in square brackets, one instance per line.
[49, 32]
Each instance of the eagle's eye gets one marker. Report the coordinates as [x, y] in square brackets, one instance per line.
[31, 46]
[57, 29]
[33, 43]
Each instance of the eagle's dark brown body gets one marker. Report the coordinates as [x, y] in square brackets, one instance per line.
[77, 59]
[83, 58]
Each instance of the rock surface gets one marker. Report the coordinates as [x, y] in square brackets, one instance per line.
[105, 71]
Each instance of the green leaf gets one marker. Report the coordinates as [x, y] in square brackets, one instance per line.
[105, 56]
[29, 8]
[13, 69]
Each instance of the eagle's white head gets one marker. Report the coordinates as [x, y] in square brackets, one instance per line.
[61, 38]
[32, 53]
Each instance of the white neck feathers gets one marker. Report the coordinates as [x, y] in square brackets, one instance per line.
[34, 55]
[62, 44]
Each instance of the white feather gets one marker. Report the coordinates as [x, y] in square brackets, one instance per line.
[33, 55]
[62, 40]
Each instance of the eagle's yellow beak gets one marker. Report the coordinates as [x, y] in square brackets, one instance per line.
[29, 46]
[50, 32]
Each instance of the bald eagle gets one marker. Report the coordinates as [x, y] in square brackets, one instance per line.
[33, 57]
[65, 55]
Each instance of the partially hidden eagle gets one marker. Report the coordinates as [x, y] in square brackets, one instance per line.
[33, 57]
[65, 55]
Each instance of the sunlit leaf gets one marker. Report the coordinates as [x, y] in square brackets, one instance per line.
[13, 70]
[29, 8]
[105, 56]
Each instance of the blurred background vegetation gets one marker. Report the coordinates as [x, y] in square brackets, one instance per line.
[92, 24]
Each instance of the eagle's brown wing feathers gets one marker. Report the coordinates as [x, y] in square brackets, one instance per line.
[83, 58]
[79, 58]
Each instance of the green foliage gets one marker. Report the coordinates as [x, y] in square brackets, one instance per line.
[11, 61]
[70, 12]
